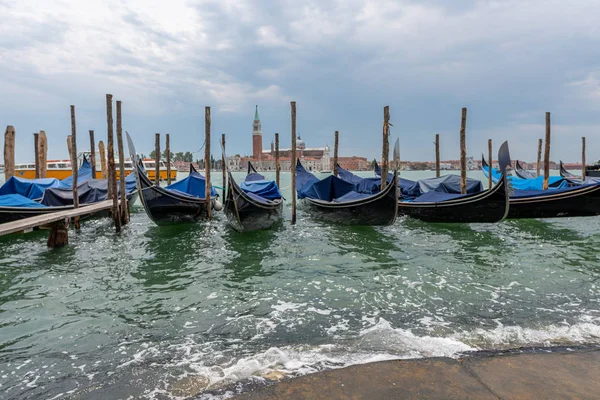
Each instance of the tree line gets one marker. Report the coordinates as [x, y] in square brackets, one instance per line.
[179, 156]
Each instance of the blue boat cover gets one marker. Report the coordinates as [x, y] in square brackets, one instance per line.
[16, 200]
[90, 191]
[437, 197]
[29, 188]
[539, 193]
[84, 173]
[194, 185]
[262, 188]
[446, 184]
[554, 182]
[328, 189]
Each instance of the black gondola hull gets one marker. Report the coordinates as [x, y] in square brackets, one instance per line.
[245, 214]
[579, 202]
[380, 209]
[486, 207]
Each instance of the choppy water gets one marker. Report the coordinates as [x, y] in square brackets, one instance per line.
[161, 312]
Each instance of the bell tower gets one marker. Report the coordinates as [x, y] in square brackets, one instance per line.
[256, 137]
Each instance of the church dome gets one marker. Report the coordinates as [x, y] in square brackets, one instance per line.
[300, 144]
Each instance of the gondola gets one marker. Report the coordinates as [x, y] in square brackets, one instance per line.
[571, 201]
[335, 200]
[487, 206]
[522, 173]
[183, 201]
[566, 174]
[256, 205]
[527, 184]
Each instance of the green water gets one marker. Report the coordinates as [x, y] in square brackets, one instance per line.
[134, 315]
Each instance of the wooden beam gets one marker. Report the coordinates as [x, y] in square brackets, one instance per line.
[539, 158]
[74, 166]
[490, 163]
[547, 153]
[277, 166]
[223, 165]
[122, 187]
[335, 153]
[93, 154]
[583, 158]
[385, 152]
[437, 155]
[157, 159]
[207, 160]
[293, 162]
[112, 172]
[168, 158]
[36, 149]
[102, 155]
[9, 152]
[43, 151]
[463, 152]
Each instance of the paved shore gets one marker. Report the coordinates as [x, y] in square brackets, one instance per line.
[515, 375]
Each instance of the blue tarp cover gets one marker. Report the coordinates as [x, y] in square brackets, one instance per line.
[16, 200]
[554, 182]
[262, 188]
[538, 193]
[29, 188]
[446, 184]
[437, 197]
[84, 173]
[193, 185]
[90, 191]
[328, 189]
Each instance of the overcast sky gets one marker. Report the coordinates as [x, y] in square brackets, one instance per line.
[506, 61]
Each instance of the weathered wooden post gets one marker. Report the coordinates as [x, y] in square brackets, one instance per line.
[122, 189]
[335, 153]
[36, 149]
[9, 152]
[43, 151]
[223, 165]
[547, 153]
[386, 147]
[74, 165]
[437, 155]
[112, 173]
[59, 234]
[277, 166]
[207, 160]
[539, 159]
[293, 162]
[157, 159]
[168, 160]
[583, 158]
[490, 163]
[102, 155]
[463, 152]
[93, 154]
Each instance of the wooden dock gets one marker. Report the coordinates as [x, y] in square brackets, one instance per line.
[27, 224]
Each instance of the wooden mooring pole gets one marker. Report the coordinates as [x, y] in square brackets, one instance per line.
[93, 154]
[336, 142]
[223, 165]
[385, 147]
[463, 152]
[207, 161]
[9, 152]
[490, 163]
[103, 167]
[293, 162]
[43, 152]
[277, 166]
[437, 155]
[112, 173]
[583, 158]
[36, 149]
[539, 158]
[123, 206]
[168, 158]
[157, 159]
[74, 165]
[547, 153]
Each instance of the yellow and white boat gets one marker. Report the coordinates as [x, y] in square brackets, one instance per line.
[61, 169]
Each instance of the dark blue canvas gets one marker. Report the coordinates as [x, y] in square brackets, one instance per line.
[16, 200]
[193, 185]
[262, 188]
[30, 188]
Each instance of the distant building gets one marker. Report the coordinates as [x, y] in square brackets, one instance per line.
[353, 163]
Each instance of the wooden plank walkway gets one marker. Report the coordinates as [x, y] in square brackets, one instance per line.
[32, 222]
